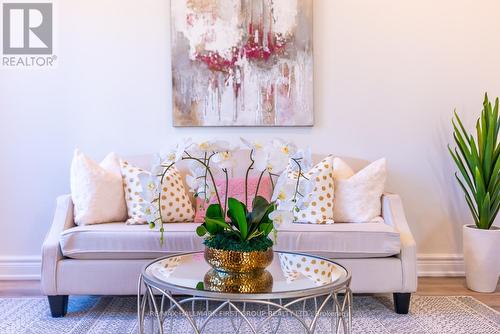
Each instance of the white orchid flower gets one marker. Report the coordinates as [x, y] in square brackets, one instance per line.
[276, 162]
[169, 157]
[221, 146]
[254, 145]
[306, 185]
[280, 217]
[284, 147]
[156, 167]
[224, 159]
[259, 154]
[204, 146]
[150, 185]
[194, 182]
[261, 160]
[284, 189]
[151, 211]
[174, 155]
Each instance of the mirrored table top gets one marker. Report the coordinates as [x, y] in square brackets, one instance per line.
[289, 275]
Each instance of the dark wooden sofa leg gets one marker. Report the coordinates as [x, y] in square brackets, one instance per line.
[58, 306]
[401, 302]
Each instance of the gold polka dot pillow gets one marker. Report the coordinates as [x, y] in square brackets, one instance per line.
[175, 204]
[319, 206]
[295, 266]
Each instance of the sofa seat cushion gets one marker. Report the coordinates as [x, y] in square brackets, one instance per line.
[340, 240]
[121, 241]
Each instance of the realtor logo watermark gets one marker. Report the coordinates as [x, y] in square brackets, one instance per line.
[27, 35]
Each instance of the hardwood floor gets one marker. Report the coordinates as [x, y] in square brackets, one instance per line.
[455, 286]
[427, 286]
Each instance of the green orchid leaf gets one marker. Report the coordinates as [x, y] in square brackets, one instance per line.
[217, 222]
[201, 230]
[214, 211]
[237, 213]
[259, 208]
[210, 226]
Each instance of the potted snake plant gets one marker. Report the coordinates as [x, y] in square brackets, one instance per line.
[478, 161]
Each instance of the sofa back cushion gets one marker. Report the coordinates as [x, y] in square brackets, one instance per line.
[96, 190]
[358, 195]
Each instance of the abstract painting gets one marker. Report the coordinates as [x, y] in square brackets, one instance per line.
[242, 62]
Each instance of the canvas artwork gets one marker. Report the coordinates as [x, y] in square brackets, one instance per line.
[242, 62]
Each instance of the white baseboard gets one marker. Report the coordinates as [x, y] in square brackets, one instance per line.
[28, 267]
[20, 267]
[440, 265]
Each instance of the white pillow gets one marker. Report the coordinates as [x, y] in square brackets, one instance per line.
[320, 206]
[175, 203]
[96, 190]
[358, 196]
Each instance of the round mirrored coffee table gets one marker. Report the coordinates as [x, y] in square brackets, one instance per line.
[184, 283]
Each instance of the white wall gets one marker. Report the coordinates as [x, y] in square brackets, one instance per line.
[387, 77]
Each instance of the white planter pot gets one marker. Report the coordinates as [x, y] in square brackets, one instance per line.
[482, 257]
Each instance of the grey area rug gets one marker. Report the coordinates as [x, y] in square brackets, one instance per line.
[372, 314]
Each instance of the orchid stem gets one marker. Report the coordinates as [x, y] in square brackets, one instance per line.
[258, 183]
[227, 191]
[246, 178]
[211, 177]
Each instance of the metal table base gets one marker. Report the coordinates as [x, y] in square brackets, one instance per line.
[161, 303]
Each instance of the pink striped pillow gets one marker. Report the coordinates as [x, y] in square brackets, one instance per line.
[236, 190]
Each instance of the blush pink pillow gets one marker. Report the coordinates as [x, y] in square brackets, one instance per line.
[236, 190]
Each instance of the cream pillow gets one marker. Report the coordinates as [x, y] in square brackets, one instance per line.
[96, 190]
[175, 204]
[358, 196]
[320, 206]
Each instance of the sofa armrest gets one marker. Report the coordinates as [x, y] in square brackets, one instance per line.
[394, 215]
[51, 251]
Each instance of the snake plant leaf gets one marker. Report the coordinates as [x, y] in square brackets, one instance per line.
[463, 147]
[468, 199]
[488, 148]
[480, 189]
[474, 153]
[494, 213]
[480, 125]
[495, 117]
[461, 167]
[237, 213]
[462, 128]
[494, 175]
[485, 212]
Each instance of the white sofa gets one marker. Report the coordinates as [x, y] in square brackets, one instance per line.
[106, 259]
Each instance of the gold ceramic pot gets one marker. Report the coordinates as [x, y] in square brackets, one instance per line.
[238, 262]
[256, 282]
